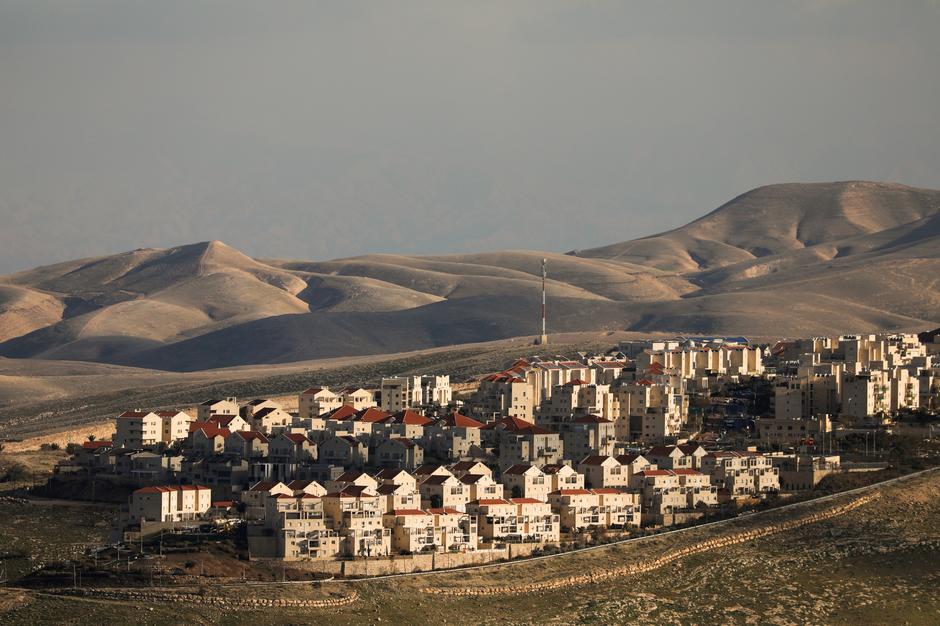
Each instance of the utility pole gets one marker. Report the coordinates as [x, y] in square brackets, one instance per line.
[543, 338]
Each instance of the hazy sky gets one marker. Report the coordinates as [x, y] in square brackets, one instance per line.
[329, 129]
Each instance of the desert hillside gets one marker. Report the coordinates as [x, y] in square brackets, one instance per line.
[791, 259]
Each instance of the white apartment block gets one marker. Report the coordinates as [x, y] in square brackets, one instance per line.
[170, 503]
[144, 429]
[404, 392]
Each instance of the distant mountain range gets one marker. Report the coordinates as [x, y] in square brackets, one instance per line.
[781, 260]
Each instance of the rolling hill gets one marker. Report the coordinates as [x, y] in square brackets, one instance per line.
[789, 259]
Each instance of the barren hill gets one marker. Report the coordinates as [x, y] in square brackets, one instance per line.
[780, 260]
[777, 219]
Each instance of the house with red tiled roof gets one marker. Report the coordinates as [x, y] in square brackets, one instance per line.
[506, 394]
[520, 441]
[470, 467]
[356, 514]
[514, 519]
[525, 481]
[256, 495]
[230, 422]
[343, 451]
[248, 409]
[340, 414]
[396, 476]
[246, 444]
[407, 423]
[454, 437]
[271, 420]
[295, 528]
[588, 435]
[481, 486]
[291, 448]
[206, 438]
[316, 401]
[399, 496]
[352, 478]
[443, 490]
[147, 429]
[172, 503]
[216, 406]
[562, 476]
[398, 452]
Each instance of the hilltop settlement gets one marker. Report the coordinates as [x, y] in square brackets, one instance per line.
[547, 451]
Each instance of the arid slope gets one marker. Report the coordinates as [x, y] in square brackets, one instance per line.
[789, 259]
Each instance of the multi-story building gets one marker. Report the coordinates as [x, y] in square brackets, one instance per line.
[520, 441]
[404, 392]
[526, 481]
[588, 435]
[356, 514]
[741, 474]
[453, 437]
[227, 406]
[146, 429]
[316, 401]
[172, 503]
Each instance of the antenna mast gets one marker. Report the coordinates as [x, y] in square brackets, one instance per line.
[543, 338]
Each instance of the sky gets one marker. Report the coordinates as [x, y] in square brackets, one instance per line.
[319, 130]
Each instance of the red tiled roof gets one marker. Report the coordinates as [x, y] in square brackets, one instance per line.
[387, 489]
[490, 502]
[209, 429]
[134, 413]
[686, 472]
[447, 510]
[372, 415]
[172, 488]
[398, 512]
[517, 425]
[312, 391]
[525, 501]
[571, 492]
[296, 437]
[627, 459]
[409, 417]
[457, 420]
[251, 435]
[656, 472]
[518, 469]
[607, 491]
[96, 445]
[340, 414]
[221, 420]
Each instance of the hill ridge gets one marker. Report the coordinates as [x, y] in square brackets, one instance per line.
[790, 258]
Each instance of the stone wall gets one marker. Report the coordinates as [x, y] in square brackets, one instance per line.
[382, 566]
